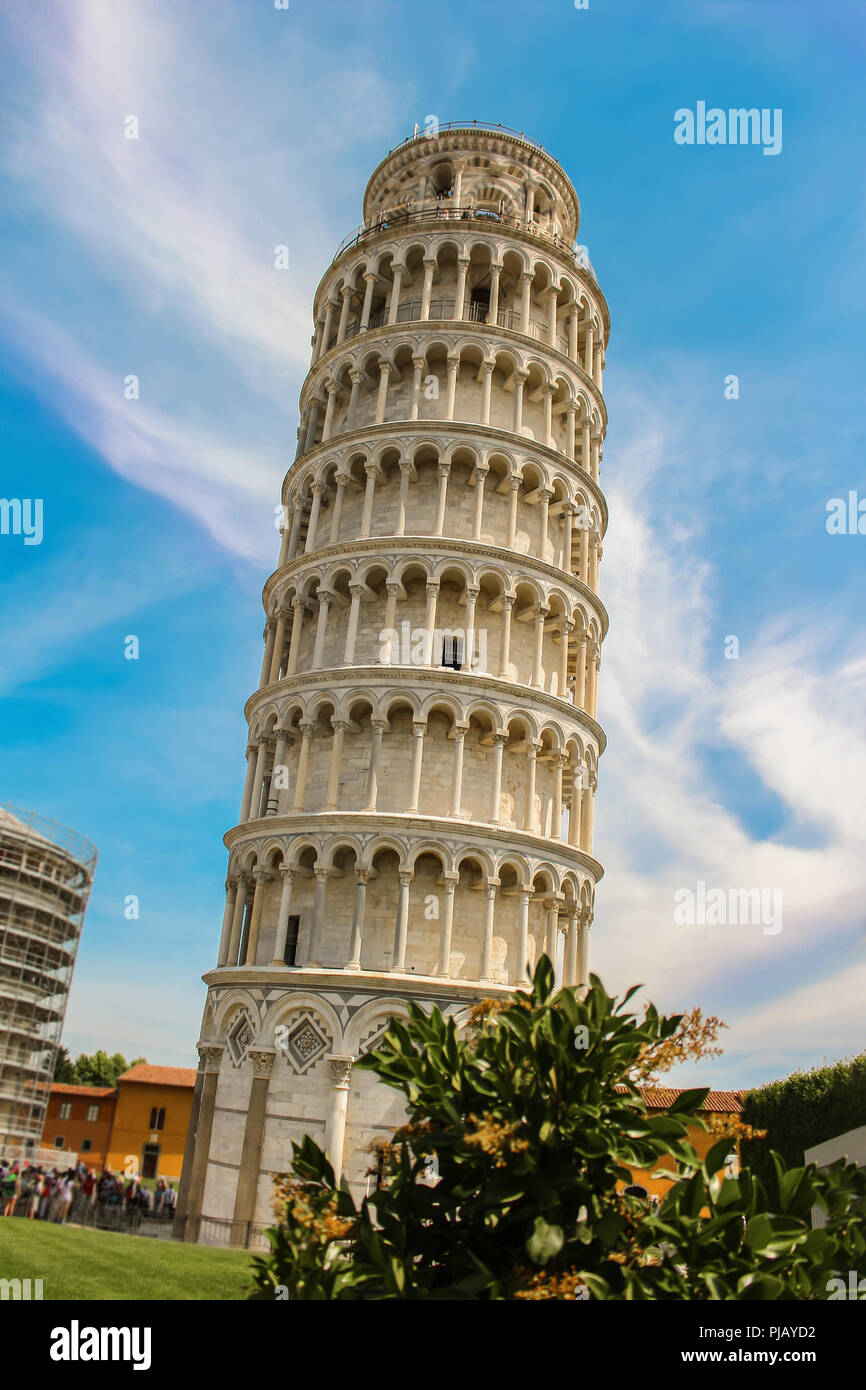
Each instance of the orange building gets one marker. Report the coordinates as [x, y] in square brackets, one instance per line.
[718, 1105]
[151, 1120]
[79, 1118]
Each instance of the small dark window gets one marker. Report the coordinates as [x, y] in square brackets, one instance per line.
[452, 652]
[86, 1145]
[157, 1118]
[59, 1141]
[291, 951]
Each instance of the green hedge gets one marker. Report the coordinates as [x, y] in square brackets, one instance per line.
[803, 1110]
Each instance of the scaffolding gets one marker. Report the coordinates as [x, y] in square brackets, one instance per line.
[46, 873]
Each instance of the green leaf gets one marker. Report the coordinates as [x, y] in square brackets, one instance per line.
[545, 1242]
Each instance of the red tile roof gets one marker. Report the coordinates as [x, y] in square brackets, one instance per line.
[721, 1102]
[61, 1088]
[160, 1076]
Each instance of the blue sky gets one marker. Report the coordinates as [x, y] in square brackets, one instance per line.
[155, 258]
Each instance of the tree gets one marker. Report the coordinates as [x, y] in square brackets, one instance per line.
[64, 1069]
[100, 1069]
[506, 1181]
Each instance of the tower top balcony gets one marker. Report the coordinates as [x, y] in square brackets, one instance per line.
[471, 164]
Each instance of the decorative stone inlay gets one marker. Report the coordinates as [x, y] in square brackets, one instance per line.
[240, 1036]
[305, 1043]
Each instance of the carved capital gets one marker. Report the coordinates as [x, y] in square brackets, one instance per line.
[341, 1070]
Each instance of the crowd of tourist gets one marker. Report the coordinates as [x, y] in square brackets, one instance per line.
[44, 1194]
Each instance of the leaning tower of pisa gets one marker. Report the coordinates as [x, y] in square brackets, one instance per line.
[417, 813]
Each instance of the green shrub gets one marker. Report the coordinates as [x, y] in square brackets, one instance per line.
[803, 1110]
[504, 1183]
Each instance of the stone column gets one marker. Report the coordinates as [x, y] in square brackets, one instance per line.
[556, 814]
[338, 1104]
[460, 294]
[514, 489]
[584, 446]
[356, 378]
[570, 434]
[584, 920]
[548, 417]
[594, 552]
[270, 637]
[261, 876]
[312, 422]
[342, 481]
[418, 364]
[486, 385]
[550, 935]
[197, 1150]
[458, 183]
[339, 726]
[573, 322]
[588, 348]
[544, 496]
[369, 282]
[306, 726]
[273, 806]
[394, 300]
[328, 324]
[493, 316]
[580, 675]
[298, 608]
[288, 877]
[451, 395]
[444, 473]
[378, 727]
[574, 808]
[315, 946]
[586, 817]
[523, 937]
[248, 784]
[430, 621]
[451, 880]
[332, 389]
[505, 641]
[325, 597]
[563, 668]
[499, 742]
[382, 397]
[529, 822]
[552, 300]
[372, 471]
[480, 476]
[401, 934]
[471, 600]
[520, 379]
[405, 474]
[346, 292]
[526, 292]
[460, 731]
[228, 915]
[262, 1059]
[258, 779]
[571, 943]
[487, 947]
[567, 535]
[595, 456]
[279, 639]
[541, 613]
[285, 533]
[419, 729]
[356, 590]
[362, 877]
[294, 538]
[429, 268]
[238, 919]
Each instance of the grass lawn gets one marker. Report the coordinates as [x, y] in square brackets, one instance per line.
[84, 1264]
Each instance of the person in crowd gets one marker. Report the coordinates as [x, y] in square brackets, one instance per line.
[10, 1188]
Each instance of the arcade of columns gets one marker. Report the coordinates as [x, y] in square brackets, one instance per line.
[417, 814]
